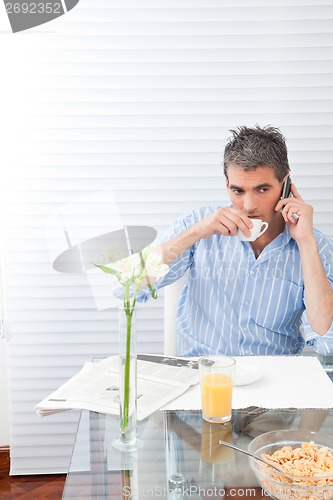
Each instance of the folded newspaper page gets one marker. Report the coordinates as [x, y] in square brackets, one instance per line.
[96, 386]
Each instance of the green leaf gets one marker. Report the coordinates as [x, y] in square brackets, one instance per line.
[108, 270]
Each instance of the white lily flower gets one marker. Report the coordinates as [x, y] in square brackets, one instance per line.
[128, 268]
[154, 266]
[136, 268]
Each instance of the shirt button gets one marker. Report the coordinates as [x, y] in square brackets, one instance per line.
[252, 273]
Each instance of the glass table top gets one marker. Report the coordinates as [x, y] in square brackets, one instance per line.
[181, 457]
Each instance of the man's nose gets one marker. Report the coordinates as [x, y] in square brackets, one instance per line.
[250, 204]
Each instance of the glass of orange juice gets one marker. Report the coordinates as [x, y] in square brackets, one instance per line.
[216, 382]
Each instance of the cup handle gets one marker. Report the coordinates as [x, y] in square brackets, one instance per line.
[265, 224]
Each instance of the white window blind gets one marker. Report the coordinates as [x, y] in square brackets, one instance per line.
[138, 98]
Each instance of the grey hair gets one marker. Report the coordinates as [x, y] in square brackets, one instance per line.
[255, 147]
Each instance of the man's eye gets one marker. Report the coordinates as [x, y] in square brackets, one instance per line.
[263, 190]
[237, 191]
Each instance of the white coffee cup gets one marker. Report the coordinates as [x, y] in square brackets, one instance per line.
[258, 228]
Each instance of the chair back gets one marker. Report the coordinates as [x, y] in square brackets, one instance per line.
[171, 297]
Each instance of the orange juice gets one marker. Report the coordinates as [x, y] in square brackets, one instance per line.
[216, 393]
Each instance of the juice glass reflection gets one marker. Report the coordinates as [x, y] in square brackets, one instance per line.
[211, 451]
[216, 461]
[216, 383]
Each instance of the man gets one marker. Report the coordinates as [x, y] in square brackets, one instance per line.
[241, 297]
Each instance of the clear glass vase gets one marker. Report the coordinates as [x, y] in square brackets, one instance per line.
[128, 440]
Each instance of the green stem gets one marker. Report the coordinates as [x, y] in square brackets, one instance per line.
[150, 286]
[127, 370]
[129, 313]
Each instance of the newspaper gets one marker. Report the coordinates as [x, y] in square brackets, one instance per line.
[96, 386]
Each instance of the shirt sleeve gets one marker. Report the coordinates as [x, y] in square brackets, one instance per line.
[322, 344]
[180, 265]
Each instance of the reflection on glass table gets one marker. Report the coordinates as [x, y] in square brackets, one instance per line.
[181, 457]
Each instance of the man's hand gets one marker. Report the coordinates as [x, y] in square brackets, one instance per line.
[300, 226]
[224, 221]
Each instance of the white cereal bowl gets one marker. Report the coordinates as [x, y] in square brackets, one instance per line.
[281, 487]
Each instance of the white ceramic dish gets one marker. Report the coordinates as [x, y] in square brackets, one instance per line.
[246, 375]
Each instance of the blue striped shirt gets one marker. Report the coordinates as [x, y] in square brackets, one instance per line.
[235, 304]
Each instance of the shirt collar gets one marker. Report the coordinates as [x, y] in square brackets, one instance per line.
[275, 247]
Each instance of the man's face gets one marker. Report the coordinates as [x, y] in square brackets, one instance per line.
[255, 192]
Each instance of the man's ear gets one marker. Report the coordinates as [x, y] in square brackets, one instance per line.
[227, 182]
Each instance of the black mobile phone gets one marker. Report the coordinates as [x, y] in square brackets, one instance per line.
[286, 191]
